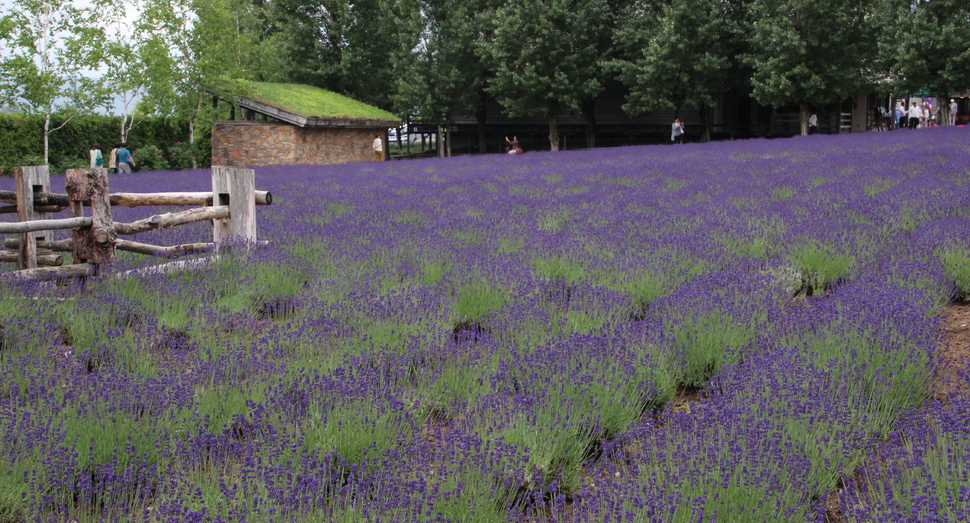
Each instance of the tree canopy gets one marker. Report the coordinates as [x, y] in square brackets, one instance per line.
[436, 59]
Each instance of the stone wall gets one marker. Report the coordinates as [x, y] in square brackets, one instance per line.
[252, 144]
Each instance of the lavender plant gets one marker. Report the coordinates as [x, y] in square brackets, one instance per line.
[501, 339]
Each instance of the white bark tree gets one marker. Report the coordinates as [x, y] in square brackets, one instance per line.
[49, 50]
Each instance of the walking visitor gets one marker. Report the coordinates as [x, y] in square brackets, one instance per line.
[914, 115]
[954, 108]
[124, 158]
[96, 158]
[378, 148]
[677, 131]
[113, 159]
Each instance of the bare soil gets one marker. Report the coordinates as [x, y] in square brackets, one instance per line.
[953, 351]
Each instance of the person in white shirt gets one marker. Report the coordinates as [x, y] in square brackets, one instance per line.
[96, 159]
[813, 124]
[915, 113]
[954, 108]
[677, 131]
[378, 148]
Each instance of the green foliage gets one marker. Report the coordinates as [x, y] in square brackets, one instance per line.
[48, 47]
[476, 300]
[437, 70]
[306, 100]
[927, 44]
[709, 342]
[149, 158]
[821, 266]
[23, 140]
[544, 57]
[809, 51]
[345, 47]
[184, 155]
[667, 65]
[956, 262]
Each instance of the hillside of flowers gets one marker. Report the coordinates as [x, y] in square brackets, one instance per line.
[724, 332]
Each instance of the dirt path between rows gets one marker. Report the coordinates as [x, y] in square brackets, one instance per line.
[953, 349]
[954, 352]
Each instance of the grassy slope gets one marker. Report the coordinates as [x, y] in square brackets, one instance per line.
[309, 101]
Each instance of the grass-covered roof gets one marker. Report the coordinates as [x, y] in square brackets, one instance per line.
[304, 100]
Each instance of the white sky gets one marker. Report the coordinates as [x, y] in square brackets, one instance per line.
[131, 12]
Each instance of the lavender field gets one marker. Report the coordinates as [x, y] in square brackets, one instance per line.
[728, 332]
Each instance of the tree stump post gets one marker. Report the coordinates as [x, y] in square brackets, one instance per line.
[236, 188]
[96, 244]
[30, 180]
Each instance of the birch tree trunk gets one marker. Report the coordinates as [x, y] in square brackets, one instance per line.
[47, 127]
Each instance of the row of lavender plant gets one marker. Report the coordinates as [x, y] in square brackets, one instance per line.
[485, 339]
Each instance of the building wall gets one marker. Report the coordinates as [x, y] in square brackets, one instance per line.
[252, 144]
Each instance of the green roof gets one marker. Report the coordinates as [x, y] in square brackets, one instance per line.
[305, 100]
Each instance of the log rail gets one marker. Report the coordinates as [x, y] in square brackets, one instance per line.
[229, 207]
[126, 199]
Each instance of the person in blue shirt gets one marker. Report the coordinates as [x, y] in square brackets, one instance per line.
[124, 159]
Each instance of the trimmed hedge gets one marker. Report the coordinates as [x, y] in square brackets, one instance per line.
[22, 140]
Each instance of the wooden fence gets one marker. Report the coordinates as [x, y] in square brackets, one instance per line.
[230, 207]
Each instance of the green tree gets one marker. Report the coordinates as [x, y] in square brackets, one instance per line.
[123, 78]
[677, 55]
[928, 43]
[436, 68]
[544, 55]
[187, 46]
[810, 52]
[49, 50]
[339, 45]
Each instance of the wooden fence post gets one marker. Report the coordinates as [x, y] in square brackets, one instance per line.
[30, 180]
[98, 243]
[236, 188]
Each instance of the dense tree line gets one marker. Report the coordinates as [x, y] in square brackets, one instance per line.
[437, 59]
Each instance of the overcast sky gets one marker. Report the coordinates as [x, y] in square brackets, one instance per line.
[130, 15]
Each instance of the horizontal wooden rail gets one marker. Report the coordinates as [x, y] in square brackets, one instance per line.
[57, 246]
[122, 199]
[45, 225]
[125, 199]
[162, 221]
[78, 270]
[165, 252]
[122, 245]
[51, 260]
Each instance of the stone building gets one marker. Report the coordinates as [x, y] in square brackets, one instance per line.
[289, 124]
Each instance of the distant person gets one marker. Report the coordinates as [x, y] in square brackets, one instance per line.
[924, 117]
[512, 146]
[378, 148]
[914, 115]
[124, 158]
[113, 159]
[813, 124]
[97, 161]
[954, 109]
[677, 131]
